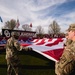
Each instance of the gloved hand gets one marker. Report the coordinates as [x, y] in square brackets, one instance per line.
[27, 48]
[30, 49]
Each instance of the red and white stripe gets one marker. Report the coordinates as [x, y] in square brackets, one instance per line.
[50, 48]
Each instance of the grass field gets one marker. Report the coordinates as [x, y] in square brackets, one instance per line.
[32, 64]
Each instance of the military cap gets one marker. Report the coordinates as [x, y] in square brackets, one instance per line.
[71, 27]
[15, 34]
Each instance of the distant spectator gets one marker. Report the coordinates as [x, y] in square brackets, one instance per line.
[3, 41]
[21, 41]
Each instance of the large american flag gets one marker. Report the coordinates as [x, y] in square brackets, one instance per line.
[50, 48]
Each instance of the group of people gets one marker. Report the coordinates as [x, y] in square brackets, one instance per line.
[66, 64]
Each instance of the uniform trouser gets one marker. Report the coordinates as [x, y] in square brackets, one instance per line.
[10, 68]
[13, 65]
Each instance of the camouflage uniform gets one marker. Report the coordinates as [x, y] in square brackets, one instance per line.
[66, 64]
[12, 48]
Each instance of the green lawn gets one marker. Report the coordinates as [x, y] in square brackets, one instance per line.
[32, 64]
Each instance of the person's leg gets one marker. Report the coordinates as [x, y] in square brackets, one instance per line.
[9, 70]
[16, 68]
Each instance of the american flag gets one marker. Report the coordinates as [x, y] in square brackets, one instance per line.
[50, 48]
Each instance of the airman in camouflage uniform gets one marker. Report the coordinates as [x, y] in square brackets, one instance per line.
[66, 64]
[12, 48]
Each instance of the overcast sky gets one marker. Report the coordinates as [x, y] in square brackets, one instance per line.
[38, 12]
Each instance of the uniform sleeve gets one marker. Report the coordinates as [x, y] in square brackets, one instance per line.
[73, 47]
[8, 43]
[18, 46]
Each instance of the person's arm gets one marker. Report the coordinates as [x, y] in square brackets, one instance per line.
[20, 48]
[17, 46]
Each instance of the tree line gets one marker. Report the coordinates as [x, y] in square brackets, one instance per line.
[53, 28]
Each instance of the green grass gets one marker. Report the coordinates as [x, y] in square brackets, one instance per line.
[3, 71]
[38, 72]
[32, 64]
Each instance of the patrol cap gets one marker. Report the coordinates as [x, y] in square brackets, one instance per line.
[71, 27]
[15, 34]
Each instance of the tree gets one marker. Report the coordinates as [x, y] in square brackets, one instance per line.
[26, 27]
[10, 24]
[39, 31]
[54, 28]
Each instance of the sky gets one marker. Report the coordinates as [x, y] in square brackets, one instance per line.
[38, 12]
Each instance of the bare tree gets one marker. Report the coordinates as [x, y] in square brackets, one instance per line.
[54, 28]
[10, 24]
[39, 30]
[26, 27]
